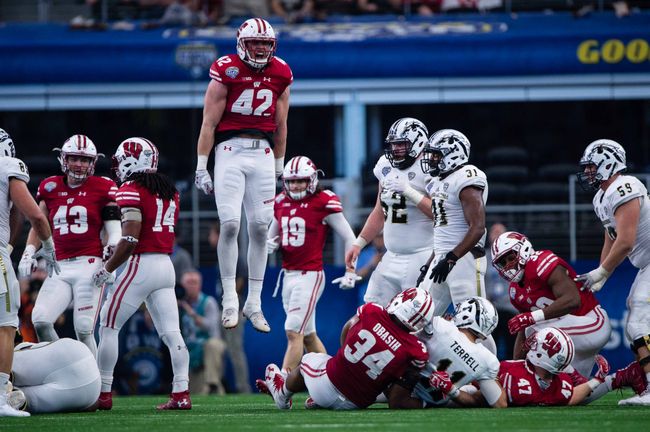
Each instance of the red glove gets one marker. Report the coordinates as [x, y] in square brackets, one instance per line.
[603, 368]
[440, 380]
[520, 322]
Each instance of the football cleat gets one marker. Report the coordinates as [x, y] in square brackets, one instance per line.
[275, 383]
[258, 321]
[230, 318]
[631, 375]
[643, 399]
[105, 401]
[310, 404]
[262, 388]
[17, 400]
[6, 410]
[177, 401]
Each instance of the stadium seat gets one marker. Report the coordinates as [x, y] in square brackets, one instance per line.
[42, 164]
[502, 193]
[507, 173]
[559, 172]
[507, 155]
[545, 192]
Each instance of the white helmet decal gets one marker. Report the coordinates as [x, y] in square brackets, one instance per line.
[411, 132]
[476, 314]
[551, 349]
[454, 148]
[7, 148]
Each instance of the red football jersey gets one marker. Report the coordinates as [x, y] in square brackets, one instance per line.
[376, 353]
[75, 214]
[159, 218]
[533, 291]
[252, 94]
[303, 230]
[522, 388]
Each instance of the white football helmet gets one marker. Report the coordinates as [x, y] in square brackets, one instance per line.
[7, 148]
[609, 158]
[506, 243]
[413, 308]
[78, 145]
[411, 132]
[551, 349]
[453, 148]
[135, 155]
[256, 29]
[300, 168]
[478, 315]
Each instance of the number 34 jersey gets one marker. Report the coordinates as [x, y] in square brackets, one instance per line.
[406, 229]
[75, 214]
[450, 350]
[376, 353]
[448, 216]
[624, 189]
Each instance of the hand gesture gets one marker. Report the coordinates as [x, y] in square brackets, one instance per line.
[203, 181]
[27, 264]
[443, 268]
[520, 321]
[48, 254]
[272, 244]
[423, 273]
[396, 184]
[348, 280]
[102, 276]
[594, 280]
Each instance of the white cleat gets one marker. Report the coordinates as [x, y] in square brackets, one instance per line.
[639, 400]
[258, 321]
[230, 318]
[7, 410]
[16, 399]
[275, 384]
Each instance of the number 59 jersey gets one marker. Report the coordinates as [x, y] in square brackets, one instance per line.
[159, 217]
[376, 352]
[75, 214]
[406, 229]
[624, 189]
[448, 217]
[252, 94]
[450, 350]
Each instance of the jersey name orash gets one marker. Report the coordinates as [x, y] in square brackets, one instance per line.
[450, 350]
[449, 219]
[376, 353]
[159, 217]
[406, 229]
[75, 214]
[303, 229]
[622, 190]
[252, 94]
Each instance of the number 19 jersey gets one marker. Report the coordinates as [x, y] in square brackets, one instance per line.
[376, 353]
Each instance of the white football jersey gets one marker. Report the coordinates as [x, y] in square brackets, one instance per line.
[449, 219]
[450, 350]
[406, 229]
[9, 168]
[626, 188]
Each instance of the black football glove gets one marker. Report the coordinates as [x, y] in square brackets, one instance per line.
[423, 273]
[441, 270]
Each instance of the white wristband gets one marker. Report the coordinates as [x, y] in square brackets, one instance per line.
[30, 250]
[593, 383]
[201, 162]
[413, 195]
[279, 164]
[603, 271]
[360, 241]
[48, 244]
[538, 315]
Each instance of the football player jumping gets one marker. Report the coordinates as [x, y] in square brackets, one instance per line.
[303, 212]
[378, 347]
[544, 292]
[247, 104]
[402, 211]
[79, 206]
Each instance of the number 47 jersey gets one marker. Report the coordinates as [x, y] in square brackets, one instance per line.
[376, 353]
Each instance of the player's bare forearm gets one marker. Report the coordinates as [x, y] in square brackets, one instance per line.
[24, 202]
[126, 245]
[281, 116]
[375, 222]
[16, 221]
[474, 211]
[213, 108]
[607, 246]
[565, 290]
[344, 332]
[627, 221]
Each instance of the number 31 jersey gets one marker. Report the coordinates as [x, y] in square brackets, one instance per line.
[75, 214]
[624, 189]
[303, 229]
[252, 94]
[448, 216]
[406, 229]
[376, 353]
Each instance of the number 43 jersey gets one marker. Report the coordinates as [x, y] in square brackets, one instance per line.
[406, 229]
[448, 217]
[622, 190]
[75, 214]
[450, 350]
[376, 353]
[303, 229]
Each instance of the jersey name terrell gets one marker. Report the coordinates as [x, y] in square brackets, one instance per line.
[464, 356]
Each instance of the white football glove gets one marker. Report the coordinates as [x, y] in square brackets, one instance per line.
[102, 276]
[348, 280]
[272, 244]
[27, 262]
[594, 280]
[397, 184]
[49, 255]
[203, 181]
